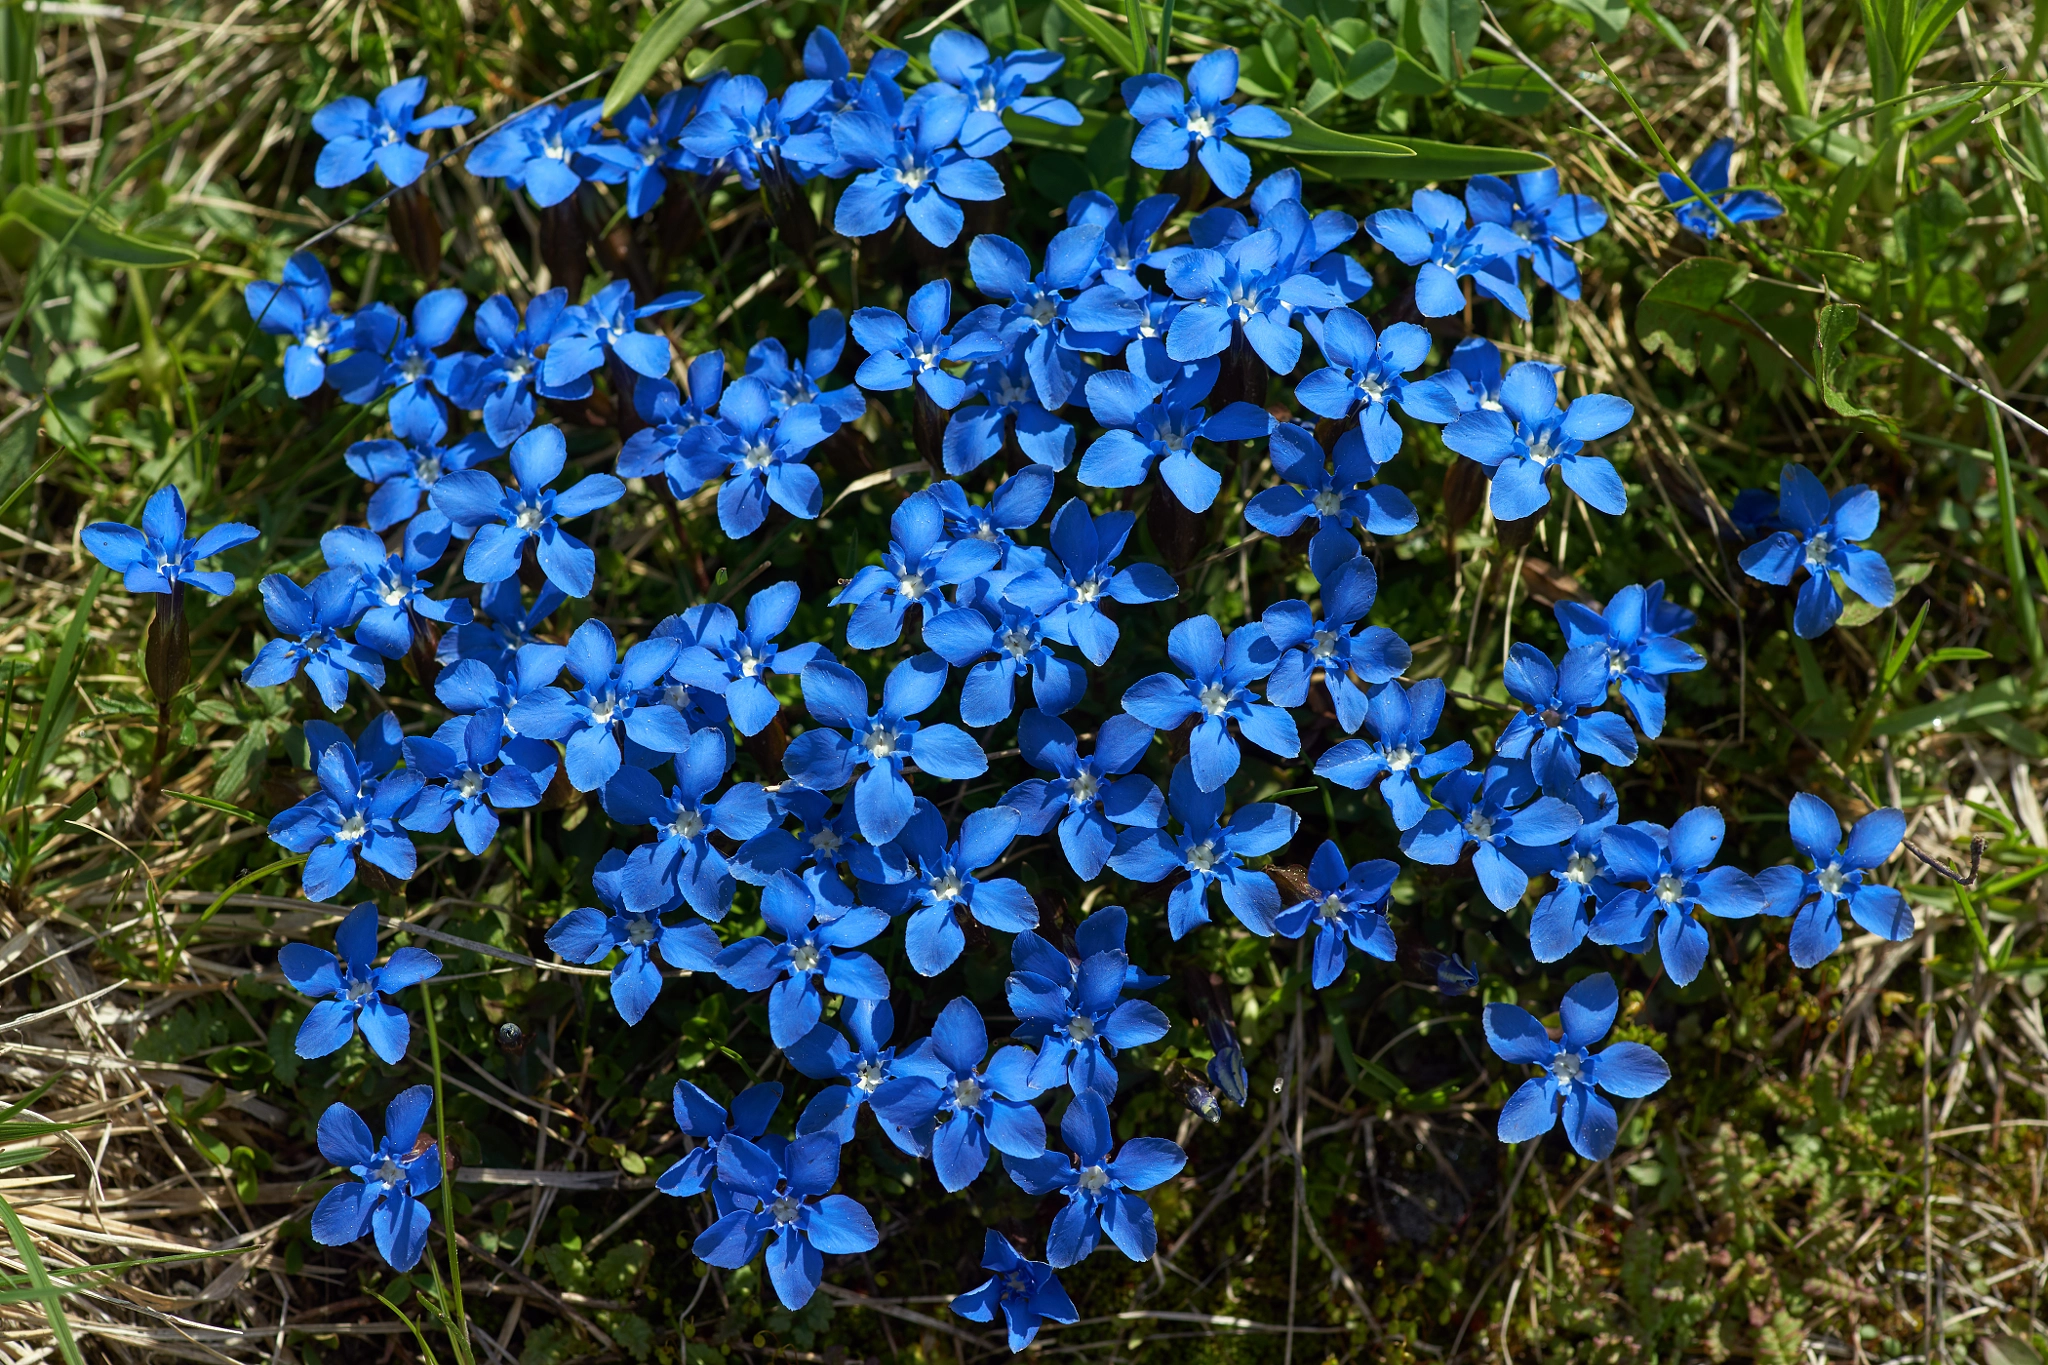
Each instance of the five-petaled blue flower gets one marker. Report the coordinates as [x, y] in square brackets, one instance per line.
[1081, 575]
[1154, 415]
[1710, 173]
[301, 307]
[1561, 722]
[1625, 1070]
[1637, 630]
[957, 1108]
[761, 454]
[405, 469]
[995, 85]
[355, 809]
[390, 1176]
[590, 720]
[1817, 535]
[1101, 1190]
[463, 787]
[1531, 207]
[502, 381]
[358, 987]
[589, 935]
[782, 1201]
[682, 860]
[1075, 1011]
[735, 661]
[389, 588]
[1055, 312]
[360, 134]
[862, 1063]
[1838, 874]
[405, 362]
[1246, 288]
[817, 922]
[1402, 720]
[311, 620]
[919, 562]
[796, 381]
[1486, 812]
[1347, 907]
[1087, 796]
[545, 150]
[505, 519]
[160, 557]
[1340, 645]
[1337, 491]
[915, 345]
[1560, 920]
[1366, 373]
[1432, 234]
[1531, 435]
[998, 642]
[1174, 125]
[1025, 1292]
[1211, 853]
[912, 170]
[940, 884]
[590, 332]
[1674, 866]
[1215, 691]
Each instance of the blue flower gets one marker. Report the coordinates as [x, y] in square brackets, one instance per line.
[589, 332]
[795, 382]
[499, 683]
[847, 737]
[390, 1176]
[1069, 591]
[1562, 722]
[1009, 410]
[1018, 502]
[1340, 645]
[1817, 537]
[782, 1201]
[1675, 865]
[941, 886]
[1153, 415]
[816, 922]
[1534, 211]
[589, 936]
[1455, 976]
[1055, 311]
[160, 557]
[741, 126]
[503, 380]
[1215, 691]
[1173, 125]
[310, 622]
[1521, 452]
[994, 86]
[1432, 234]
[360, 134]
[900, 351]
[389, 587]
[1635, 630]
[1075, 1011]
[1487, 814]
[405, 469]
[661, 446]
[1025, 1292]
[1087, 796]
[1625, 1070]
[546, 150]
[504, 626]
[1125, 245]
[1710, 173]
[1560, 920]
[1402, 720]
[1101, 1190]
[1211, 853]
[1244, 289]
[358, 987]
[301, 307]
[1338, 498]
[505, 519]
[910, 170]
[700, 1116]
[462, 788]
[1308, 244]
[954, 1107]
[919, 562]
[609, 703]
[1226, 1069]
[682, 860]
[355, 809]
[1366, 374]
[829, 838]
[735, 662]
[390, 359]
[998, 642]
[1838, 873]
[1347, 906]
[761, 455]
[824, 1054]
[646, 150]
[1474, 377]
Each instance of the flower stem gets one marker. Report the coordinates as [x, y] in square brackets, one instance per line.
[2015, 565]
[458, 1330]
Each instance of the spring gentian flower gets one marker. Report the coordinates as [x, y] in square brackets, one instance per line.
[404, 362]
[942, 1094]
[1635, 631]
[1817, 538]
[995, 85]
[502, 381]
[390, 1176]
[900, 352]
[590, 719]
[761, 456]
[1215, 692]
[1474, 377]
[1402, 720]
[861, 1065]
[1101, 1191]
[646, 148]
[1010, 407]
[735, 661]
[1561, 723]
[1244, 287]
[848, 737]
[160, 557]
[1211, 853]
[1125, 245]
[1674, 863]
[471, 687]
[1433, 235]
[1025, 1292]
[507, 518]
[309, 622]
[1172, 126]
[1075, 1012]
[1521, 452]
[1487, 813]
[358, 988]
[1337, 498]
[670, 415]
[1153, 414]
[1560, 920]
[784, 1198]
[1054, 310]
[740, 124]
[301, 307]
[1532, 209]
[1016, 505]
[682, 860]
[354, 811]
[699, 1116]
[1838, 874]
[1087, 796]
[1340, 645]
[1625, 1070]
[998, 642]
[390, 589]
[817, 922]
[1366, 374]
[910, 171]
[406, 467]
[1710, 173]
[942, 884]
[504, 626]
[462, 787]
[1070, 590]
[588, 935]
[1348, 908]
[589, 332]
[545, 150]
[919, 562]
[359, 133]
[799, 381]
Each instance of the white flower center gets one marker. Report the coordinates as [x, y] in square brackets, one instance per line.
[469, 784]
[394, 594]
[1325, 643]
[601, 711]
[1479, 825]
[785, 1210]
[911, 585]
[390, 1172]
[1832, 879]
[912, 177]
[1201, 125]
[1400, 758]
[352, 829]
[947, 886]
[1541, 451]
[529, 518]
[641, 930]
[1332, 907]
[1042, 309]
[826, 841]
[428, 471]
[1670, 888]
[759, 455]
[1328, 502]
[1017, 641]
[967, 1093]
[1818, 551]
[1081, 1028]
[413, 366]
[804, 958]
[687, 825]
[1087, 590]
[749, 662]
[880, 742]
[1092, 1180]
[1565, 1068]
[358, 988]
[1617, 662]
[1214, 698]
[316, 335]
[1582, 868]
[1202, 857]
[1082, 786]
[867, 1076]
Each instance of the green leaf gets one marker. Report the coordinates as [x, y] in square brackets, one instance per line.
[1897, 659]
[1607, 18]
[1831, 143]
[214, 803]
[1322, 58]
[1833, 322]
[52, 213]
[1449, 29]
[1425, 161]
[1283, 53]
[1682, 316]
[1510, 91]
[1371, 68]
[670, 29]
[1031, 132]
[1784, 51]
[1663, 25]
[39, 1279]
[1114, 45]
[736, 57]
[1411, 77]
[1312, 139]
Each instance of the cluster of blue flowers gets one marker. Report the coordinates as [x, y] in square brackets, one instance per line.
[848, 840]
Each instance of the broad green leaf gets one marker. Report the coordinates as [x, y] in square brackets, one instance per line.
[1832, 143]
[1663, 25]
[1115, 46]
[1783, 45]
[1312, 139]
[1833, 323]
[1283, 52]
[1320, 93]
[1425, 161]
[1607, 18]
[1322, 58]
[1031, 132]
[51, 212]
[1682, 315]
[1370, 69]
[1510, 91]
[1449, 29]
[670, 29]
[1411, 77]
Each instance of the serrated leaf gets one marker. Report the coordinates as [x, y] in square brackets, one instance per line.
[669, 31]
[1833, 324]
[1510, 91]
